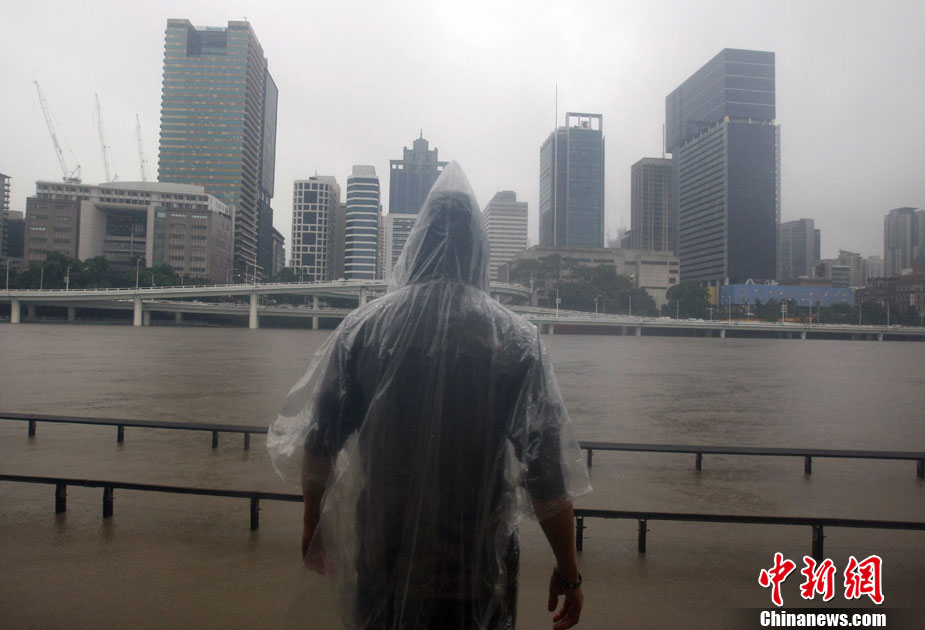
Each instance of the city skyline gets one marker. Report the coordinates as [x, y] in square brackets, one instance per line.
[488, 97]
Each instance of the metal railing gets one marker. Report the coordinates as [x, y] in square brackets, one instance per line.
[109, 487]
[764, 451]
[698, 450]
[121, 423]
[817, 524]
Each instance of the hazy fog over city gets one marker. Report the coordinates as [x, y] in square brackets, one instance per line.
[359, 81]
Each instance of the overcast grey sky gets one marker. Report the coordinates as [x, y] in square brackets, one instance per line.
[358, 81]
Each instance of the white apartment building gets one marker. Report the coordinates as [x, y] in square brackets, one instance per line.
[505, 221]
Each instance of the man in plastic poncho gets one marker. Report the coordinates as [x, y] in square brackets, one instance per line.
[428, 423]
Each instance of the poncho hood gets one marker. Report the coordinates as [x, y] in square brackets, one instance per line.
[447, 240]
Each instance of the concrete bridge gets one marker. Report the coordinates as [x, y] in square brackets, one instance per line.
[179, 300]
[143, 300]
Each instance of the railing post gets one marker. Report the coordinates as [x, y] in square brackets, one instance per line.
[247, 441]
[920, 469]
[120, 434]
[60, 498]
[641, 541]
[107, 501]
[579, 533]
[32, 428]
[699, 462]
[808, 465]
[255, 513]
[590, 456]
[214, 439]
[818, 546]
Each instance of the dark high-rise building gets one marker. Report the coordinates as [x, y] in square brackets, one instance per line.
[797, 251]
[411, 177]
[721, 130]
[4, 213]
[651, 205]
[572, 183]
[903, 239]
[218, 128]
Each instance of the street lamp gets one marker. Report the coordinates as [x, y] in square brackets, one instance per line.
[42, 277]
[595, 303]
[67, 279]
[557, 303]
[152, 279]
[137, 260]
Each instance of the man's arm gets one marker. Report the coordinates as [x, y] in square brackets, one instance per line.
[315, 472]
[559, 529]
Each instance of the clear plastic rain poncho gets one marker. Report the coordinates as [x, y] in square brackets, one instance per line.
[442, 415]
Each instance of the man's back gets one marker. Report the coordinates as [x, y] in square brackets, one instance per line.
[426, 413]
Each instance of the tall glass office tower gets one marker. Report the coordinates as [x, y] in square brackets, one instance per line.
[218, 128]
[572, 183]
[361, 237]
[411, 178]
[720, 127]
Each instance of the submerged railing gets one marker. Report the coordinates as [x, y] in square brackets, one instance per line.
[767, 451]
[642, 517]
[121, 423]
[698, 450]
[816, 523]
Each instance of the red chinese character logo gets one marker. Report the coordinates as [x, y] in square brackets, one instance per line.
[775, 575]
[819, 579]
[863, 578]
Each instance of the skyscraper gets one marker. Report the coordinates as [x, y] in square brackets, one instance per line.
[314, 210]
[572, 183]
[4, 213]
[410, 179]
[218, 127]
[362, 224]
[505, 221]
[721, 130]
[903, 239]
[797, 249]
[651, 205]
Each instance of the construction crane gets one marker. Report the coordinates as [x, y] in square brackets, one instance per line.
[104, 148]
[141, 151]
[72, 177]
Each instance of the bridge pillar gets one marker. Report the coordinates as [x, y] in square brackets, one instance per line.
[315, 308]
[137, 312]
[879, 336]
[551, 328]
[252, 320]
[802, 334]
[30, 311]
[178, 317]
[71, 313]
[146, 318]
[639, 331]
[362, 296]
[15, 308]
[722, 333]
